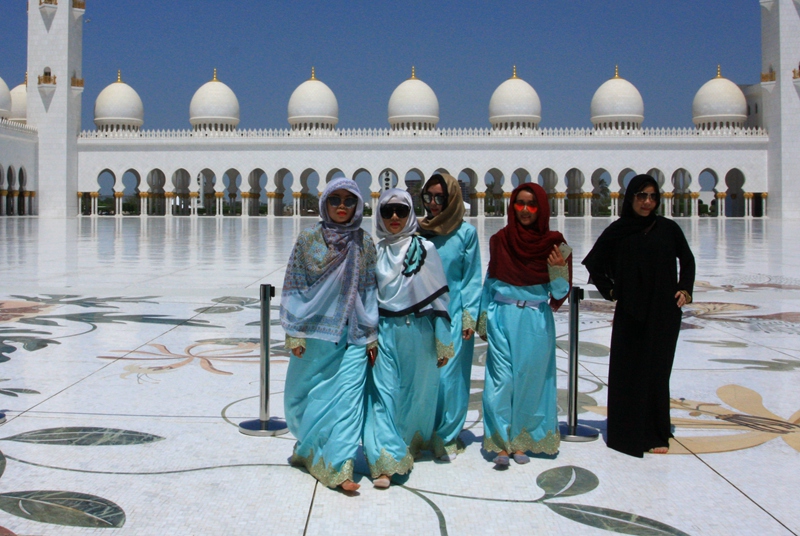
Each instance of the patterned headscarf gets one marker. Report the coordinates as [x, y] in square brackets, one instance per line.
[452, 213]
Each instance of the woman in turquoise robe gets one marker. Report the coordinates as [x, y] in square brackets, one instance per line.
[457, 244]
[413, 340]
[528, 277]
[329, 311]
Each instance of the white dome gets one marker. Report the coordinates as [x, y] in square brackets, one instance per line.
[5, 100]
[719, 101]
[412, 102]
[19, 104]
[118, 106]
[617, 104]
[214, 107]
[514, 103]
[313, 103]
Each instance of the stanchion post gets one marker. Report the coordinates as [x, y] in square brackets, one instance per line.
[264, 425]
[571, 430]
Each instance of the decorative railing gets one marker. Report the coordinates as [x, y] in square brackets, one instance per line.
[795, 73]
[77, 82]
[472, 133]
[79, 4]
[768, 77]
[47, 79]
[48, 2]
[7, 124]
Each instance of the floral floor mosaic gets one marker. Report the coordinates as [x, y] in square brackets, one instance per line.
[129, 353]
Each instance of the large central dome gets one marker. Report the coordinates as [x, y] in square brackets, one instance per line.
[214, 107]
[413, 106]
[515, 104]
[313, 106]
[617, 104]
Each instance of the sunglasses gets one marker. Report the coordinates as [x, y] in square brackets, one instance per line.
[530, 207]
[438, 198]
[390, 209]
[349, 202]
[644, 196]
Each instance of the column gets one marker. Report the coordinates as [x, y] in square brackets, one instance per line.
[218, 198]
[748, 205]
[587, 204]
[481, 197]
[375, 197]
[561, 204]
[93, 196]
[695, 204]
[296, 204]
[506, 199]
[193, 196]
[14, 200]
[3, 196]
[32, 202]
[245, 204]
[80, 204]
[615, 204]
[272, 202]
[118, 204]
[667, 197]
[721, 203]
[169, 202]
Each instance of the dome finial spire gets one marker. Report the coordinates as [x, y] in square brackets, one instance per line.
[616, 71]
[413, 73]
[514, 74]
[313, 74]
[119, 75]
[215, 76]
[719, 71]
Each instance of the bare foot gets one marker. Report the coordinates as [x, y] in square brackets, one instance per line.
[659, 450]
[349, 485]
[382, 482]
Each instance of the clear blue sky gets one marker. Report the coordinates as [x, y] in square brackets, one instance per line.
[463, 49]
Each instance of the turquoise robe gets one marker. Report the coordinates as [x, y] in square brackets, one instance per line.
[324, 405]
[520, 411]
[402, 389]
[461, 258]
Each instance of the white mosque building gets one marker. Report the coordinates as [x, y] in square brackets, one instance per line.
[744, 148]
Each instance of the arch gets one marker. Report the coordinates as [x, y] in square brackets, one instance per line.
[734, 202]
[681, 202]
[387, 177]
[469, 178]
[624, 178]
[520, 176]
[21, 180]
[335, 173]
[231, 183]
[493, 204]
[106, 205]
[708, 179]
[575, 180]
[309, 202]
[181, 182]
[207, 204]
[363, 179]
[130, 194]
[548, 179]
[157, 195]
[414, 181]
[257, 204]
[601, 193]
[284, 180]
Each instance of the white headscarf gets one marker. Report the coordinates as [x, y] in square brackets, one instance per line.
[411, 278]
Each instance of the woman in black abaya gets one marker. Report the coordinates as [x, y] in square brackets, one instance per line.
[633, 263]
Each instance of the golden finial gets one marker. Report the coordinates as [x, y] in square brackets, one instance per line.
[413, 73]
[215, 76]
[514, 75]
[26, 78]
[616, 71]
[119, 75]
[719, 71]
[313, 74]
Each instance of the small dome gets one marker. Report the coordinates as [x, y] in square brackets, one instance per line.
[5, 100]
[19, 104]
[719, 104]
[515, 104]
[118, 107]
[617, 104]
[312, 106]
[413, 106]
[214, 107]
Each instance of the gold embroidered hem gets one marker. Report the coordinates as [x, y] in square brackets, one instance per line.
[418, 444]
[558, 271]
[467, 322]
[387, 465]
[294, 342]
[445, 350]
[524, 443]
[326, 474]
[373, 344]
[440, 449]
[483, 318]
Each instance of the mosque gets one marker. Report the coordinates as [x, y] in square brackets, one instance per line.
[740, 159]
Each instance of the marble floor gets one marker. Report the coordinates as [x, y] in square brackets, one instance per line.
[129, 353]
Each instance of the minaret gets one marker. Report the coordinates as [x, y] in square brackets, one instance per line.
[55, 86]
[780, 58]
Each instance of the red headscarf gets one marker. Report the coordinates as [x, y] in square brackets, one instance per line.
[518, 254]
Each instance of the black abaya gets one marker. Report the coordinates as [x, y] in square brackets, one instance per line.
[633, 262]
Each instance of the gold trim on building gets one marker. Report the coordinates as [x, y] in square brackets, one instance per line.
[768, 77]
[76, 82]
[47, 79]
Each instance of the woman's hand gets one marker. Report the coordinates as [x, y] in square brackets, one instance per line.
[298, 351]
[467, 334]
[556, 258]
[372, 355]
[680, 296]
[442, 362]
